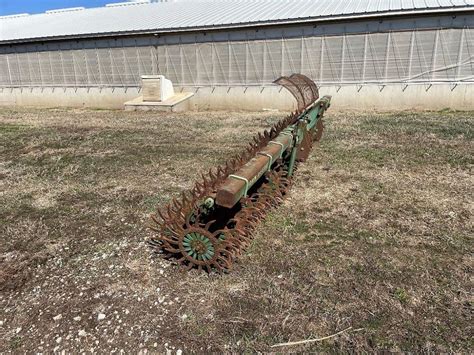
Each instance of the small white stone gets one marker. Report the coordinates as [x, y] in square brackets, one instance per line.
[77, 319]
[184, 317]
[155, 345]
[101, 316]
[162, 271]
[1, 323]
[82, 333]
[58, 340]
[18, 330]
[179, 352]
[58, 317]
[127, 311]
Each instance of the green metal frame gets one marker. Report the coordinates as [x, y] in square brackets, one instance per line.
[307, 122]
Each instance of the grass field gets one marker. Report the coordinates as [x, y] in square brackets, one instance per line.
[375, 239]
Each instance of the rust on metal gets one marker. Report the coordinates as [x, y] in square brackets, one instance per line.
[210, 226]
[301, 87]
[233, 188]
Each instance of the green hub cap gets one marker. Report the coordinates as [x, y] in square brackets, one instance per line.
[198, 246]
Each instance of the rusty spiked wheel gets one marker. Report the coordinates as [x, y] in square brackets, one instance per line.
[203, 249]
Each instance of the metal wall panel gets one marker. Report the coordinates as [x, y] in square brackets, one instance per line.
[207, 15]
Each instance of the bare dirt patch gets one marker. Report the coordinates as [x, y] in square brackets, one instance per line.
[376, 236]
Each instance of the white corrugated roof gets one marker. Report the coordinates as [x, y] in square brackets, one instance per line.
[179, 15]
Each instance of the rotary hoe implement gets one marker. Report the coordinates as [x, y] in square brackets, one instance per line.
[210, 226]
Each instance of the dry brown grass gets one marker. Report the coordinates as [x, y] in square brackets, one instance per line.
[376, 235]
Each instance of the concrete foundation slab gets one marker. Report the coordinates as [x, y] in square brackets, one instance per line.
[178, 103]
[346, 98]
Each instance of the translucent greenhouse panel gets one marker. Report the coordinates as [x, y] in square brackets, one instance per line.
[332, 59]
[376, 57]
[449, 45]
[30, 69]
[398, 59]
[311, 65]
[272, 60]
[292, 56]
[423, 55]
[188, 64]
[466, 60]
[68, 67]
[21, 64]
[46, 70]
[204, 64]
[353, 64]
[220, 59]
[132, 75]
[173, 63]
[161, 56]
[118, 66]
[145, 60]
[80, 67]
[4, 71]
[58, 69]
[255, 62]
[105, 66]
[237, 64]
[92, 67]
[14, 69]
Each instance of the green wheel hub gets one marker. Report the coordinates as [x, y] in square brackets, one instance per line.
[198, 246]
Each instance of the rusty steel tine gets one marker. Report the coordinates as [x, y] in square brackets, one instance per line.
[220, 172]
[170, 249]
[154, 219]
[198, 187]
[169, 211]
[184, 198]
[212, 175]
[208, 224]
[152, 242]
[206, 182]
[161, 214]
[155, 229]
[176, 204]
